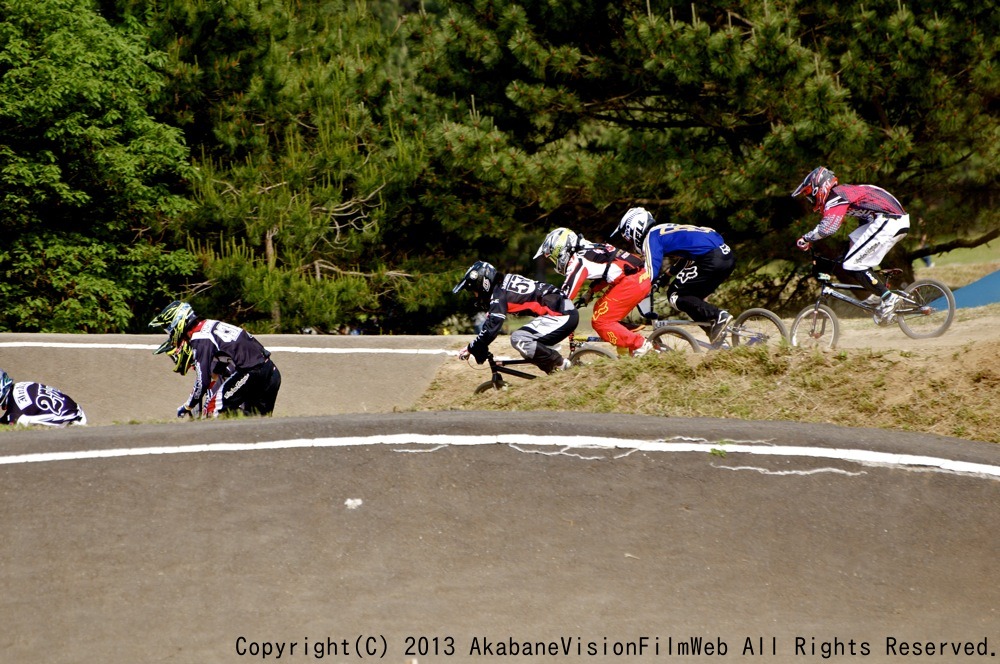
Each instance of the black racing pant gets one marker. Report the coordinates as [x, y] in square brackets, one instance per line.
[251, 391]
[699, 279]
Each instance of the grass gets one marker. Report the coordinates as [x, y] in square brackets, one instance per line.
[945, 390]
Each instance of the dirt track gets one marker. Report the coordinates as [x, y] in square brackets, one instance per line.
[194, 557]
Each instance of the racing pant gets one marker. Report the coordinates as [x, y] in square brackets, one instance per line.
[535, 340]
[252, 391]
[699, 279]
[615, 304]
[869, 245]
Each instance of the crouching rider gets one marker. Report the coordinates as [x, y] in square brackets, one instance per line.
[233, 371]
[555, 316]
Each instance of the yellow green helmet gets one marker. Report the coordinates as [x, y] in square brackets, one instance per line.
[176, 319]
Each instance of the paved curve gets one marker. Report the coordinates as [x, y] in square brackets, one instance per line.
[215, 541]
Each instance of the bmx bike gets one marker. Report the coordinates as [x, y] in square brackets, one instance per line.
[582, 351]
[926, 308]
[753, 327]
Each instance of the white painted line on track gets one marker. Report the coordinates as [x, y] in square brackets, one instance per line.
[273, 349]
[866, 457]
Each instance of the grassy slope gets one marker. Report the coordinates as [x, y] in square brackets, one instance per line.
[948, 390]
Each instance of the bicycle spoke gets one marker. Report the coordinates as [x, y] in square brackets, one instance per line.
[927, 310]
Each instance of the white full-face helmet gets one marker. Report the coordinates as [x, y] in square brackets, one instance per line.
[559, 246]
[634, 225]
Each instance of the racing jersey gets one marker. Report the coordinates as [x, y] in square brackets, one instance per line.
[517, 295]
[679, 241]
[220, 348]
[863, 201]
[34, 403]
[601, 263]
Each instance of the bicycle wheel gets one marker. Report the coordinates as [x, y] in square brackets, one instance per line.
[673, 339]
[927, 309]
[815, 327]
[758, 327]
[490, 386]
[585, 357]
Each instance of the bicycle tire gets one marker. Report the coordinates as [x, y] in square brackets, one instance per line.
[758, 327]
[490, 386]
[815, 327]
[673, 339]
[586, 356]
[933, 313]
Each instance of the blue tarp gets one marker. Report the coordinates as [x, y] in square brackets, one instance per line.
[979, 293]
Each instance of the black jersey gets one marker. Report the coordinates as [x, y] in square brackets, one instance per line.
[221, 349]
[34, 403]
[520, 296]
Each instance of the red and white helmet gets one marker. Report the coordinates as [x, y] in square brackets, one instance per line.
[816, 187]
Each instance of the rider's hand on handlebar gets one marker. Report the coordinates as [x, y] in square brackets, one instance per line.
[803, 244]
[464, 354]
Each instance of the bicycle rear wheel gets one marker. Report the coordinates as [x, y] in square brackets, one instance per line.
[815, 327]
[758, 327]
[585, 357]
[673, 339]
[927, 309]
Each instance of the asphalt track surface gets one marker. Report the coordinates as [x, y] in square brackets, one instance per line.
[357, 530]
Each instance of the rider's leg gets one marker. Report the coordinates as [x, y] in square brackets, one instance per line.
[534, 341]
[688, 290]
[869, 245]
[614, 305]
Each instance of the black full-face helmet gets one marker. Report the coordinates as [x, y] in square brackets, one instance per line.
[479, 279]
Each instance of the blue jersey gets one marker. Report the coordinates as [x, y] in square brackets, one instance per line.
[678, 241]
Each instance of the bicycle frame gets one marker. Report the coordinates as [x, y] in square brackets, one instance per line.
[500, 367]
[831, 291]
[738, 332]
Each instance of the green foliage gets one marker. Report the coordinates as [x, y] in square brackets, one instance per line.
[86, 173]
[73, 283]
[710, 114]
[343, 162]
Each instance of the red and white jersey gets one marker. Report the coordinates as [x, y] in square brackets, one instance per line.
[598, 263]
[862, 201]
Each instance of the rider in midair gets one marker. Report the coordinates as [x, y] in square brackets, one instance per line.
[882, 222]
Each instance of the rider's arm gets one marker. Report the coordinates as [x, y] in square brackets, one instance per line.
[204, 352]
[652, 251]
[576, 276]
[496, 315]
[833, 217]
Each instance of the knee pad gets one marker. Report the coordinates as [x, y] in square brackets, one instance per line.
[523, 341]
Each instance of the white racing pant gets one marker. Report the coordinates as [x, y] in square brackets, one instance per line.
[871, 242]
[535, 340]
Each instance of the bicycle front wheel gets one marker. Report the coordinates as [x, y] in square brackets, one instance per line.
[758, 327]
[490, 386]
[585, 357]
[815, 327]
[927, 309]
[669, 339]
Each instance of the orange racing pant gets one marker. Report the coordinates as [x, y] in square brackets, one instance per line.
[615, 304]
